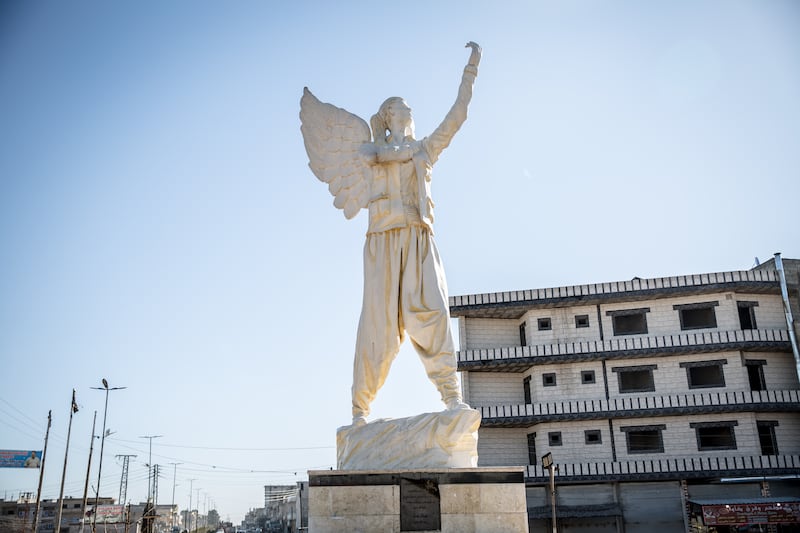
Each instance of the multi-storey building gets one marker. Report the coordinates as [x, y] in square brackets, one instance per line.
[18, 515]
[667, 402]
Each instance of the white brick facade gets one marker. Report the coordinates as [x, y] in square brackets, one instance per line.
[709, 383]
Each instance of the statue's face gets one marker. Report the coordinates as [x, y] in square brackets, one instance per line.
[401, 114]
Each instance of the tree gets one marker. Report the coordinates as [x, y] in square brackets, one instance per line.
[213, 518]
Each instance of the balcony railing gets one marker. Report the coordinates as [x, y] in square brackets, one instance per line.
[526, 415]
[514, 303]
[520, 358]
[671, 468]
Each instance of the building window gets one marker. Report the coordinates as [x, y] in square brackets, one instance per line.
[766, 437]
[549, 379]
[713, 436]
[629, 321]
[644, 439]
[592, 436]
[581, 321]
[635, 378]
[554, 438]
[532, 448]
[544, 324]
[697, 316]
[755, 373]
[587, 377]
[523, 338]
[747, 314]
[526, 389]
[705, 374]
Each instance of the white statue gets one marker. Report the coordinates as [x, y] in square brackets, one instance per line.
[389, 173]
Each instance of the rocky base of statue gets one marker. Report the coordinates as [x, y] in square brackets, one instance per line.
[448, 439]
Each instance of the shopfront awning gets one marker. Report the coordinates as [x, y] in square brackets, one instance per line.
[775, 510]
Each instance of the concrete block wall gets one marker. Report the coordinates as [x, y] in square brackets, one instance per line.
[780, 371]
[499, 388]
[509, 446]
[769, 311]
[502, 447]
[662, 319]
[787, 432]
[489, 333]
[562, 321]
[493, 388]
[573, 448]
[670, 378]
[680, 438]
[569, 385]
[498, 446]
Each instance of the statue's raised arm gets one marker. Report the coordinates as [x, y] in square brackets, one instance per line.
[334, 139]
[441, 136]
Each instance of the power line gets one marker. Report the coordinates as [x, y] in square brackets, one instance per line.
[237, 449]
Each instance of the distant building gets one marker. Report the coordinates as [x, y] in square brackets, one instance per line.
[18, 515]
[280, 502]
[166, 516]
[668, 404]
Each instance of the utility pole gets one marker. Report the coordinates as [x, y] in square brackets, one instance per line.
[73, 408]
[155, 485]
[102, 443]
[189, 511]
[196, 520]
[41, 472]
[123, 482]
[88, 469]
[150, 462]
[174, 479]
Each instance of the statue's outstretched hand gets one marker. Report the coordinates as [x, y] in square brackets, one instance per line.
[475, 56]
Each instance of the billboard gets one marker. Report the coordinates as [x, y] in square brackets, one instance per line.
[109, 513]
[752, 513]
[20, 458]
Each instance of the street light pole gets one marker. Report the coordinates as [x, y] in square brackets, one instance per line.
[106, 388]
[150, 461]
[174, 479]
[189, 511]
[547, 462]
[197, 518]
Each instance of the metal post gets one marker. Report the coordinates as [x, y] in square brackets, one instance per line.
[150, 462]
[41, 472]
[73, 408]
[88, 469]
[787, 309]
[197, 517]
[174, 478]
[189, 511]
[547, 462]
[102, 443]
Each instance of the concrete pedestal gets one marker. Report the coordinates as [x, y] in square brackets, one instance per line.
[457, 500]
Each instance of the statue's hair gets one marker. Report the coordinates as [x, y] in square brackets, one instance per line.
[380, 120]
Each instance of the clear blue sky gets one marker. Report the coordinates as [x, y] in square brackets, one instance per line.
[159, 225]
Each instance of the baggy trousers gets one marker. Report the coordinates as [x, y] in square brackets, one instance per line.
[404, 291]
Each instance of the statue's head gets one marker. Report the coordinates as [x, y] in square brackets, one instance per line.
[394, 114]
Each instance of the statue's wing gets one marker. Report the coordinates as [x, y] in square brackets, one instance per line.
[333, 138]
